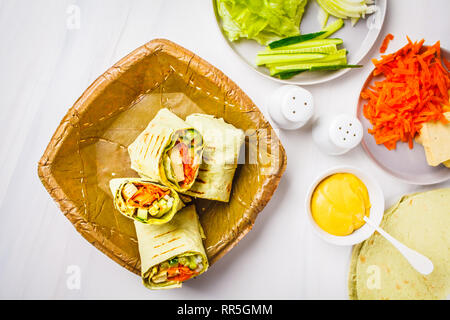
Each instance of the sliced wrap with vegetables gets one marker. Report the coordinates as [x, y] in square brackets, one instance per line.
[144, 200]
[173, 252]
[222, 143]
[168, 150]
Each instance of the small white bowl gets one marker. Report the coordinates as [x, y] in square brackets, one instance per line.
[376, 211]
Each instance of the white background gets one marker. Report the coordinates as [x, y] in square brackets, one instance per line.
[45, 67]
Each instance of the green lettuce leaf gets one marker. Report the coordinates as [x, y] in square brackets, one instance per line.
[261, 20]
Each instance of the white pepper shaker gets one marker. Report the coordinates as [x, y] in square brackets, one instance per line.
[335, 135]
[290, 107]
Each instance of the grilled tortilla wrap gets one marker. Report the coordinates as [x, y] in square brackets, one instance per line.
[222, 143]
[173, 252]
[168, 150]
[379, 271]
[144, 200]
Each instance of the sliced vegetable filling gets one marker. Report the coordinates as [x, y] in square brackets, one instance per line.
[183, 157]
[147, 199]
[178, 269]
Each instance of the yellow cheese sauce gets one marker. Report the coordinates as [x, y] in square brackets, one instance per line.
[339, 204]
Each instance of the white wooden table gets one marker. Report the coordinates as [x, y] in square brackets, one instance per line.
[46, 62]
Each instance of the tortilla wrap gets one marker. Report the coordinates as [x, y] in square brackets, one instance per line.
[161, 243]
[120, 203]
[378, 271]
[149, 153]
[222, 143]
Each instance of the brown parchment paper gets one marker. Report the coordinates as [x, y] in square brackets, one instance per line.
[90, 147]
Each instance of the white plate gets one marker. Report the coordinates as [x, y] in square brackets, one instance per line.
[358, 40]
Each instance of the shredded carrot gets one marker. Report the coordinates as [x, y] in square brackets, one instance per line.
[146, 195]
[447, 63]
[180, 273]
[415, 87]
[385, 43]
[188, 166]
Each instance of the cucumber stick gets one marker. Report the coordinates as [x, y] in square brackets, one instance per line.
[308, 65]
[288, 58]
[330, 48]
[318, 66]
[330, 29]
[311, 43]
[295, 39]
[277, 60]
[336, 67]
[288, 75]
[340, 54]
[305, 66]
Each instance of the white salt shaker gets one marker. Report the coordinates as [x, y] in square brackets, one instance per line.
[290, 107]
[335, 135]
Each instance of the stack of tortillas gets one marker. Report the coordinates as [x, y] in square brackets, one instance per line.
[422, 222]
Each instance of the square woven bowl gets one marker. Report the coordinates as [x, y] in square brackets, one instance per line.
[90, 147]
